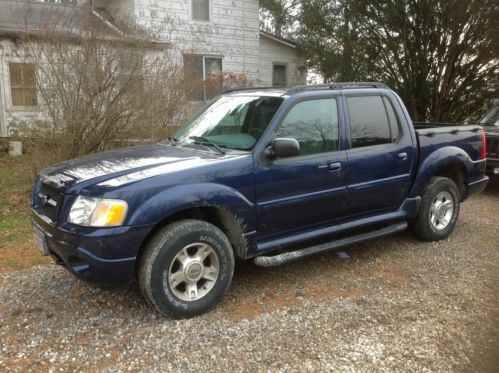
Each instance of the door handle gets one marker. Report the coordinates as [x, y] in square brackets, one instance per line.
[336, 166]
[402, 156]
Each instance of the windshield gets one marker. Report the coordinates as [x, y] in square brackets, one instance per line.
[491, 118]
[230, 122]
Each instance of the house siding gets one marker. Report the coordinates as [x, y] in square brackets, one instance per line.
[231, 33]
[273, 52]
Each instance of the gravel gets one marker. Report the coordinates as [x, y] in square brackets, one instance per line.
[389, 304]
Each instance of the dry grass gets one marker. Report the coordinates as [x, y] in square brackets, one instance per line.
[17, 250]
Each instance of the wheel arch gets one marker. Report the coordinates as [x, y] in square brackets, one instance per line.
[455, 172]
[451, 162]
[223, 219]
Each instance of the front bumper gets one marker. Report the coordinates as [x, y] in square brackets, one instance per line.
[98, 255]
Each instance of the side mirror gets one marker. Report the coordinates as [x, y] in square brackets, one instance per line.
[283, 147]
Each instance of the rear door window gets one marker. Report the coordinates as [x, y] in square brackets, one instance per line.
[369, 124]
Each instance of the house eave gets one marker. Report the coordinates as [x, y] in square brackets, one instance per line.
[278, 39]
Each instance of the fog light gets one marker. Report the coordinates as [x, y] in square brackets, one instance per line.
[495, 171]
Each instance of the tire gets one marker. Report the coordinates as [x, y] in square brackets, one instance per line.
[438, 212]
[186, 269]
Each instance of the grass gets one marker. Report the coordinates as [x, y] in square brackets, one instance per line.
[17, 250]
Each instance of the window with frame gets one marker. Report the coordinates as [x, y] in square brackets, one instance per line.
[201, 73]
[279, 75]
[392, 119]
[314, 124]
[131, 69]
[369, 122]
[23, 84]
[201, 10]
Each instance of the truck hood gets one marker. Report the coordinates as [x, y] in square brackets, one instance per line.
[118, 167]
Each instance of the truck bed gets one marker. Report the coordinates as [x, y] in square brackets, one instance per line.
[460, 143]
[432, 136]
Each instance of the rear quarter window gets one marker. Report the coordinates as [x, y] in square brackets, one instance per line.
[392, 119]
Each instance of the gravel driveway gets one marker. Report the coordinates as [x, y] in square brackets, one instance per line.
[394, 304]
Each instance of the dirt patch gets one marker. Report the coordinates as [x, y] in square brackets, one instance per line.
[275, 298]
[18, 255]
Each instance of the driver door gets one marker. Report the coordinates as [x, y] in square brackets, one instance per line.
[295, 193]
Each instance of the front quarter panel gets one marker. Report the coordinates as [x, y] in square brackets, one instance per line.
[168, 202]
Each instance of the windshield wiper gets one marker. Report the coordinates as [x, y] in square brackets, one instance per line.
[207, 141]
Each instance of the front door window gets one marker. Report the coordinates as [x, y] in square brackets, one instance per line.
[314, 124]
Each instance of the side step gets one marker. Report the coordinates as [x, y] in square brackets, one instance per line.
[277, 260]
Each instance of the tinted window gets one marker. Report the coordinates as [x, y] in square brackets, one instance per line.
[314, 124]
[392, 119]
[368, 121]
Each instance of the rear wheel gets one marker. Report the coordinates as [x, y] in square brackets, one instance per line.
[186, 269]
[439, 210]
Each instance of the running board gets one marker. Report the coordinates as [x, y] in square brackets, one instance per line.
[277, 260]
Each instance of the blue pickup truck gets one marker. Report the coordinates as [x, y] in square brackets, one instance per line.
[268, 174]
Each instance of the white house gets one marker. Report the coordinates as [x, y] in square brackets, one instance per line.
[208, 36]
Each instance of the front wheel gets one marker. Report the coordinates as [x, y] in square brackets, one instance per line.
[439, 210]
[186, 269]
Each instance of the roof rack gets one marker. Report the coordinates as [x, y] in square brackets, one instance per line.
[314, 87]
[230, 90]
[327, 86]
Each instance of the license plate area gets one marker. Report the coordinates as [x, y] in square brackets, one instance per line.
[40, 241]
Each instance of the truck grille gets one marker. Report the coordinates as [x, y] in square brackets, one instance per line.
[48, 202]
[493, 147]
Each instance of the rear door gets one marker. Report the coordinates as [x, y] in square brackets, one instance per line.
[294, 193]
[381, 154]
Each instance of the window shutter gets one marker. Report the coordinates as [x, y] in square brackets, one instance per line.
[201, 10]
[193, 73]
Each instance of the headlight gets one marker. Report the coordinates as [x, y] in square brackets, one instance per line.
[98, 212]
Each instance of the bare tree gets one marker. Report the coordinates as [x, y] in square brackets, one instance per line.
[98, 84]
